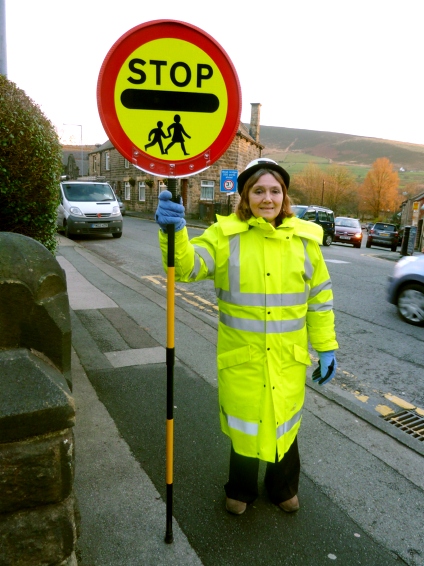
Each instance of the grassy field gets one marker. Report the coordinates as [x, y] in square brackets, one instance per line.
[295, 163]
[296, 148]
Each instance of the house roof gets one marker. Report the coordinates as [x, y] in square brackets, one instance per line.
[243, 131]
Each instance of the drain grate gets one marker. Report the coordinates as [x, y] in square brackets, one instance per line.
[408, 421]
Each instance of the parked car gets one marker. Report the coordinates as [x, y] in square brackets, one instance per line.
[369, 226]
[121, 206]
[320, 215]
[383, 235]
[88, 208]
[406, 289]
[348, 231]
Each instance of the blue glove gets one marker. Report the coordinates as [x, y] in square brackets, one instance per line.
[326, 369]
[169, 212]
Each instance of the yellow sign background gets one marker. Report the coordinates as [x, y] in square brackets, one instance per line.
[203, 127]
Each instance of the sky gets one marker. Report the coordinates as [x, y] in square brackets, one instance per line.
[345, 66]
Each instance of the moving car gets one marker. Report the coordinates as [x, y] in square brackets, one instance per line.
[320, 215]
[348, 231]
[88, 208]
[406, 289]
[383, 235]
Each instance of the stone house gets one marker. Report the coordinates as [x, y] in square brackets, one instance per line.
[75, 160]
[413, 215]
[200, 192]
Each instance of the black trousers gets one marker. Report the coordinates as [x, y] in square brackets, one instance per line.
[281, 478]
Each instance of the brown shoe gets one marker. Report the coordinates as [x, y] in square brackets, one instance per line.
[235, 507]
[291, 505]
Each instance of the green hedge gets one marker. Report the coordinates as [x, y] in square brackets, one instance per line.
[30, 167]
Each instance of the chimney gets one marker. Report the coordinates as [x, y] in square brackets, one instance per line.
[254, 120]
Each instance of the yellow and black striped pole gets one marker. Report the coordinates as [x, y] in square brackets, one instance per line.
[170, 359]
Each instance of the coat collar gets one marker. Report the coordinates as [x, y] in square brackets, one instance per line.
[293, 226]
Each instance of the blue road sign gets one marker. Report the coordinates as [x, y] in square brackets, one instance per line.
[228, 181]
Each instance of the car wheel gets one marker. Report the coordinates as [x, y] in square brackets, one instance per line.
[411, 304]
[368, 244]
[117, 234]
[327, 240]
[67, 233]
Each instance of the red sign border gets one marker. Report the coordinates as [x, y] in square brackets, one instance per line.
[110, 68]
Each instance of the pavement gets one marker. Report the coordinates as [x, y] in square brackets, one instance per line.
[362, 481]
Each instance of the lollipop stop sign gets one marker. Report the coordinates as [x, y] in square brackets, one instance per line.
[169, 98]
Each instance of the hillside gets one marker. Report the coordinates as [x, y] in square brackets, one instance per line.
[339, 148]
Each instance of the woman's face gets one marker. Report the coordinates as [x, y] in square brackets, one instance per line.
[266, 198]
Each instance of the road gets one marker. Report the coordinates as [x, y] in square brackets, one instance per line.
[361, 489]
[381, 358]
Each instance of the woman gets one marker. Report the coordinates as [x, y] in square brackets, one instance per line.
[274, 294]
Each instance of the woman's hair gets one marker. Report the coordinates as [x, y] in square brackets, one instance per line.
[243, 209]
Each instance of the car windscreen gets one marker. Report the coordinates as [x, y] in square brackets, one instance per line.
[90, 192]
[299, 211]
[348, 222]
[385, 227]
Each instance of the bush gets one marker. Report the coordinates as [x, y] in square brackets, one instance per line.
[30, 167]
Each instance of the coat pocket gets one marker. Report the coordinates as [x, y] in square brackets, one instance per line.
[240, 381]
[234, 357]
[301, 355]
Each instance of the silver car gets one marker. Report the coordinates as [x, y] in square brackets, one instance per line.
[406, 289]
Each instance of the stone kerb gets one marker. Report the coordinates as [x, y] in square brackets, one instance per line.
[37, 412]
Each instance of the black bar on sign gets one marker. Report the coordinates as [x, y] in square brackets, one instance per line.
[137, 99]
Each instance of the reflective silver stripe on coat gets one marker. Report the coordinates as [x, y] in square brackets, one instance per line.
[207, 258]
[261, 326]
[288, 425]
[309, 270]
[262, 299]
[196, 268]
[316, 307]
[325, 286]
[242, 426]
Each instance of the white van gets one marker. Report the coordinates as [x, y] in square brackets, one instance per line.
[88, 207]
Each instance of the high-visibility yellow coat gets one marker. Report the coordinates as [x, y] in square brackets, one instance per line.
[274, 294]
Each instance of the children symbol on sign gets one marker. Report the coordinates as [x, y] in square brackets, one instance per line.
[157, 134]
[177, 136]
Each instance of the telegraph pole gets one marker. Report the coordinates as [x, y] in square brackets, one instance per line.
[3, 55]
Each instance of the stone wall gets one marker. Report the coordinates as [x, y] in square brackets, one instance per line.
[38, 512]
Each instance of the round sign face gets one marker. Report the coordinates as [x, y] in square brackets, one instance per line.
[169, 98]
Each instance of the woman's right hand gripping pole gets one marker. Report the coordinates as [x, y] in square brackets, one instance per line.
[169, 212]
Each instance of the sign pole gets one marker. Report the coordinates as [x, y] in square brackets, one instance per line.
[170, 361]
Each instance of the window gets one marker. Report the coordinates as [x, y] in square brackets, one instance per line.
[141, 191]
[207, 189]
[107, 161]
[127, 189]
[94, 163]
[162, 186]
[126, 164]
[310, 215]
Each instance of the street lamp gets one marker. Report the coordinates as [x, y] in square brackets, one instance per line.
[82, 162]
